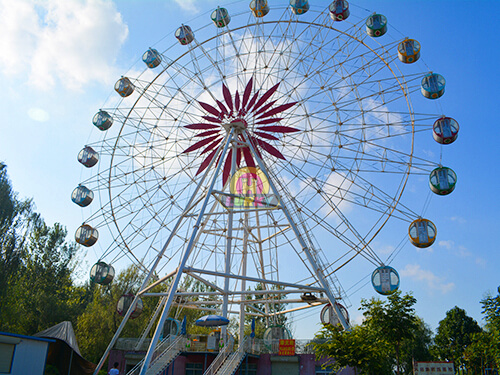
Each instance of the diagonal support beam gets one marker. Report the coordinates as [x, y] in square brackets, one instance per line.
[182, 264]
[312, 261]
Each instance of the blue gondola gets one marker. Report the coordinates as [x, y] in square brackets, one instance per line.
[171, 327]
[88, 156]
[433, 86]
[82, 196]
[385, 280]
[299, 6]
[151, 58]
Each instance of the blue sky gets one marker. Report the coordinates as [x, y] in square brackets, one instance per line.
[60, 60]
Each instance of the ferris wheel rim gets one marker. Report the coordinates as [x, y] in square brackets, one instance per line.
[398, 196]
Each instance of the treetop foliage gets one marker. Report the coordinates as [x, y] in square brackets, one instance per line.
[454, 334]
[380, 343]
[36, 288]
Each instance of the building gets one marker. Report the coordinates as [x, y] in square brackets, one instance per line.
[21, 355]
[194, 355]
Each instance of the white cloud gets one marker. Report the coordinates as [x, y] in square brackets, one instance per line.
[415, 272]
[447, 244]
[459, 219]
[38, 114]
[460, 250]
[381, 248]
[430, 154]
[481, 262]
[70, 41]
[463, 252]
[188, 5]
[424, 249]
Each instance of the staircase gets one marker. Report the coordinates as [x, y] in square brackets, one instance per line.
[230, 366]
[221, 357]
[165, 353]
[161, 362]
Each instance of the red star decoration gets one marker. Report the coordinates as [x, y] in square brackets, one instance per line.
[237, 113]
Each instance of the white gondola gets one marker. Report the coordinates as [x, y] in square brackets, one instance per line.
[328, 314]
[124, 304]
[88, 156]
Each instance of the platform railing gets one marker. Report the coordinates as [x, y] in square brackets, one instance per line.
[260, 346]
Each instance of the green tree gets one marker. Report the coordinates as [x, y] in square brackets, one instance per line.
[385, 338]
[99, 321]
[394, 319]
[13, 218]
[480, 354]
[360, 347]
[97, 325]
[417, 348]
[42, 293]
[36, 286]
[454, 334]
[491, 311]
[45, 288]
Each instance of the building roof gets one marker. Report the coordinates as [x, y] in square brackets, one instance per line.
[62, 331]
[26, 337]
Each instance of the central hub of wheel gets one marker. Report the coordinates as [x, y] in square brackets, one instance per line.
[231, 116]
[239, 125]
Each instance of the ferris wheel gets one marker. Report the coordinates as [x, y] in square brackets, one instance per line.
[260, 154]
